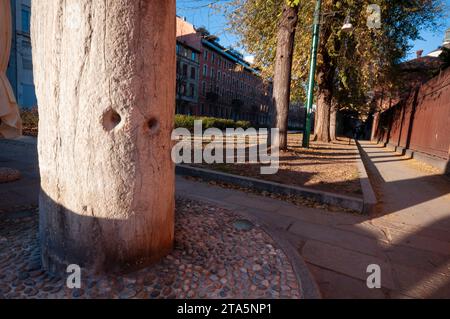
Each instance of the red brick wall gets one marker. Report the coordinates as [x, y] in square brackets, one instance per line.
[422, 121]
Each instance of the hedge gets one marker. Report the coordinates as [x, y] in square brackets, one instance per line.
[187, 121]
[30, 120]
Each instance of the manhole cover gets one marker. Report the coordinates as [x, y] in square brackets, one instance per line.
[243, 224]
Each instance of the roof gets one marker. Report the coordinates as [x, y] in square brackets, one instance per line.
[229, 55]
[411, 73]
[419, 64]
[187, 35]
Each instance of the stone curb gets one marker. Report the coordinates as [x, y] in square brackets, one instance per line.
[441, 164]
[344, 201]
[369, 197]
[308, 286]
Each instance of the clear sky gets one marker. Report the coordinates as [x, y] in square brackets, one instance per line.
[432, 39]
[200, 14]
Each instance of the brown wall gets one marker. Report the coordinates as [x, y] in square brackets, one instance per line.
[420, 122]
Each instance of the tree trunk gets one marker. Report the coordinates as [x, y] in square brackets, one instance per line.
[333, 117]
[323, 116]
[325, 77]
[283, 70]
[105, 80]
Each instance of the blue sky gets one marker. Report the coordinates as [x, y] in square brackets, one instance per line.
[198, 13]
[431, 39]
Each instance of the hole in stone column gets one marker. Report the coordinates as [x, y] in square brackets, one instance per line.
[111, 119]
[153, 125]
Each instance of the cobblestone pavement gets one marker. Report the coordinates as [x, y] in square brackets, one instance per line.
[408, 236]
[216, 255]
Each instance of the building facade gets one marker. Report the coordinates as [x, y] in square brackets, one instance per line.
[211, 80]
[188, 68]
[20, 67]
[187, 79]
[228, 87]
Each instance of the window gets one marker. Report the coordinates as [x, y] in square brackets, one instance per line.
[205, 55]
[25, 19]
[212, 73]
[191, 90]
[183, 88]
[185, 70]
[213, 58]
[194, 56]
[204, 88]
[193, 75]
[219, 75]
[178, 48]
[205, 70]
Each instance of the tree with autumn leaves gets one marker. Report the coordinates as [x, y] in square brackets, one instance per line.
[350, 63]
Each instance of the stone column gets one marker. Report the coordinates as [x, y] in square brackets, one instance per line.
[105, 80]
[10, 123]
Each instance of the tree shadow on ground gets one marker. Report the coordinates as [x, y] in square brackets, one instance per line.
[413, 191]
[326, 167]
[414, 261]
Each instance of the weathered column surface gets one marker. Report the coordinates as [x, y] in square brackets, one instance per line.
[10, 122]
[105, 80]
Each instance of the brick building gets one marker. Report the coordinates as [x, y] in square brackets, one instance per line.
[228, 87]
[187, 79]
[188, 68]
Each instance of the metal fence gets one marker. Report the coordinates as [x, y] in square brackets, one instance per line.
[420, 122]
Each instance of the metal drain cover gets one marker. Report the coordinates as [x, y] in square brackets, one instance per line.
[243, 224]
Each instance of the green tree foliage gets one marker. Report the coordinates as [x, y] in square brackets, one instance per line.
[351, 63]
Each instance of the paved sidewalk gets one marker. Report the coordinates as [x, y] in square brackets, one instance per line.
[19, 154]
[409, 238]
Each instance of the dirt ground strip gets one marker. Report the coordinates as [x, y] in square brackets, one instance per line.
[328, 167]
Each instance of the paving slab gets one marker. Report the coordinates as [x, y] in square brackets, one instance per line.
[338, 237]
[408, 237]
[347, 262]
[336, 285]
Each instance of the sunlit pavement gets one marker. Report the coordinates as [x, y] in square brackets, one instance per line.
[409, 238]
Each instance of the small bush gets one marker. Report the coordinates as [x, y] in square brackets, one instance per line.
[30, 120]
[244, 124]
[187, 121]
